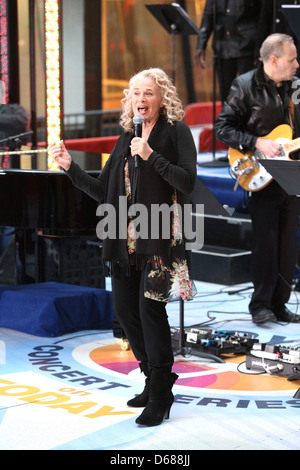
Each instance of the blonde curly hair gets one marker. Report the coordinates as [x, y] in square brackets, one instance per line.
[172, 106]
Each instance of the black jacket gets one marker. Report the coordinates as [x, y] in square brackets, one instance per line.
[254, 108]
[171, 165]
[235, 27]
[173, 161]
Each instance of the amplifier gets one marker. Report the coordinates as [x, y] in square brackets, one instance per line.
[275, 360]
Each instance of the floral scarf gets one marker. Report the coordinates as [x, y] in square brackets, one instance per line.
[163, 283]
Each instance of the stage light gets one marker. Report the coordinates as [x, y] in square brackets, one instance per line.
[4, 47]
[53, 76]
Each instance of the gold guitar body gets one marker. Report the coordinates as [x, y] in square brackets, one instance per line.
[250, 174]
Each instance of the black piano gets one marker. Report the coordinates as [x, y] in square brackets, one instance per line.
[48, 227]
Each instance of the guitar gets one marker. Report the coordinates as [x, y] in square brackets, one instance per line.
[250, 174]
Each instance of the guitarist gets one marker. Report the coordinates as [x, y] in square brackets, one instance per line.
[259, 101]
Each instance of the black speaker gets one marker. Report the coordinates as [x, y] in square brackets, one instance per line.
[8, 264]
[70, 260]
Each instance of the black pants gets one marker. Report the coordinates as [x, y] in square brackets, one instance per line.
[144, 321]
[229, 69]
[118, 330]
[275, 220]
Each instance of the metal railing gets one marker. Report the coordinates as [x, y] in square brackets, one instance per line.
[96, 123]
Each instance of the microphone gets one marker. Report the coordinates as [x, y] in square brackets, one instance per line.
[138, 127]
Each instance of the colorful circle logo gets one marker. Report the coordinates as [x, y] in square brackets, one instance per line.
[196, 375]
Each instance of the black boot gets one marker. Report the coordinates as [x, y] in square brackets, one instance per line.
[141, 400]
[161, 398]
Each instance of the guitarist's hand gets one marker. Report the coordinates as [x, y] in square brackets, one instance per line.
[268, 147]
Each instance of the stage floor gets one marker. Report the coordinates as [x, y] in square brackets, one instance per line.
[70, 392]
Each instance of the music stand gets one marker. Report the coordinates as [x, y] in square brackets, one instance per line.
[175, 20]
[202, 195]
[292, 15]
[286, 173]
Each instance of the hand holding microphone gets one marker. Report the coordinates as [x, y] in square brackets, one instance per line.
[139, 146]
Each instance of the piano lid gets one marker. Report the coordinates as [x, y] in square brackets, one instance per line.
[43, 199]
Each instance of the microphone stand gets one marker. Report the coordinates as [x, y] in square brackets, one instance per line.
[214, 79]
[175, 20]
[173, 33]
[274, 15]
[214, 162]
[14, 142]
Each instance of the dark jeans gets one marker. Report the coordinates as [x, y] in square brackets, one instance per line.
[118, 330]
[144, 321]
[229, 69]
[275, 220]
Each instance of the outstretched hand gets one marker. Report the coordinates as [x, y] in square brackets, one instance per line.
[60, 155]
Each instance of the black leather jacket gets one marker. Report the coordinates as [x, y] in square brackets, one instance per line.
[235, 25]
[254, 108]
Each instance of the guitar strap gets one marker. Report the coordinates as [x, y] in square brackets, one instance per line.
[292, 113]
